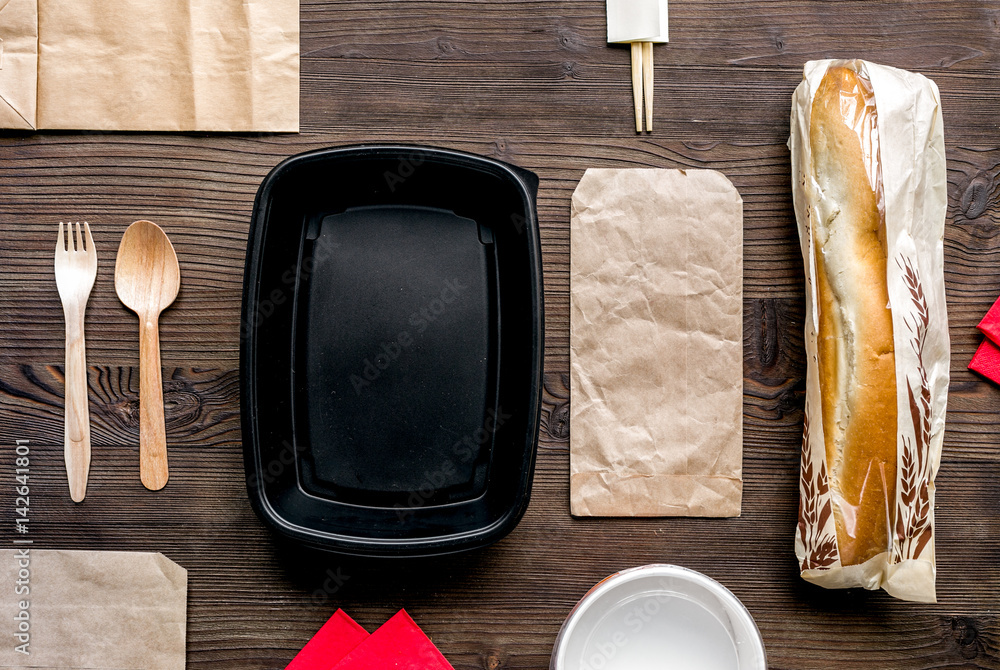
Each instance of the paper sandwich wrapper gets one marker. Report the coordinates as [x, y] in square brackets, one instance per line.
[93, 610]
[18, 63]
[149, 65]
[656, 344]
[911, 146]
[637, 21]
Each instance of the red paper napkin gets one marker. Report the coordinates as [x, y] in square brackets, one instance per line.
[990, 325]
[338, 636]
[986, 360]
[398, 645]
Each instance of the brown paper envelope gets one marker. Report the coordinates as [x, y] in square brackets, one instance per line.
[137, 65]
[227, 65]
[110, 610]
[18, 63]
[656, 332]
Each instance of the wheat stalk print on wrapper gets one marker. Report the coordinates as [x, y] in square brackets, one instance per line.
[914, 207]
[818, 543]
[914, 527]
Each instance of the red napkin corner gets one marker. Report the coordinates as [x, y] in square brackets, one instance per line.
[398, 645]
[338, 636]
[986, 360]
[990, 325]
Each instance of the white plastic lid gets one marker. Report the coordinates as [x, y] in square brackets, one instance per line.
[659, 616]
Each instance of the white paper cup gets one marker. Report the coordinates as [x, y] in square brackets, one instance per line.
[655, 617]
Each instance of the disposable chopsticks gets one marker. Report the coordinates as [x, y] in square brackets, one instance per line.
[642, 84]
[640, 24]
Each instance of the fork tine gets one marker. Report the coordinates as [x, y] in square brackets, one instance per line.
[60, 241]
[90, 239]
[79, 237]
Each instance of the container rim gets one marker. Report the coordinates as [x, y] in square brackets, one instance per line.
[733, 606]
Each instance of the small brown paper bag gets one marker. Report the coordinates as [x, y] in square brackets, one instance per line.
[143, 65]
[111, 610]
[656, 332]
[18, 63]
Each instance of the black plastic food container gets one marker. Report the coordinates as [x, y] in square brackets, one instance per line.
[391, 350]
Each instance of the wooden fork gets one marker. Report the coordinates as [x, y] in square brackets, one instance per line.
[76, 268]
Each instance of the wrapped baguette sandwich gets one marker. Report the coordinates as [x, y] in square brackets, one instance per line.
[869, 188]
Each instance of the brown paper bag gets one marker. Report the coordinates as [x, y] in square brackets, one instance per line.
[656, 332]
[110, 610]
[150, 65]
[18, 63]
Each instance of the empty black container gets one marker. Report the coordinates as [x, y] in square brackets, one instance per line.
[392, 349]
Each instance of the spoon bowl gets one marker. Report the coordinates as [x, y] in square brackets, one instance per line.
[147, 275]
[147, 279]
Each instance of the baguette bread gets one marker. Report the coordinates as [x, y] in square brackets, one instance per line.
[855, 347]
[870, 190]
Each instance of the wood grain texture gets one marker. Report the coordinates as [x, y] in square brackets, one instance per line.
[531, 82]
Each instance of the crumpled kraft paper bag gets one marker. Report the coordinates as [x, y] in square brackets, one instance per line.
[110, 610]
[147, 65]
[18, 63]
[656, 333]
[914, 182]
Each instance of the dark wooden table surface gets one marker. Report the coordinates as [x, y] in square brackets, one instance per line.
[532, 83]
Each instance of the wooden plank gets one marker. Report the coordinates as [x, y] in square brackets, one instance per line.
[211, 243]
[460, 599]
[201, 404]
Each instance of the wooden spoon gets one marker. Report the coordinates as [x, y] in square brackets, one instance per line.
[147, 278]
